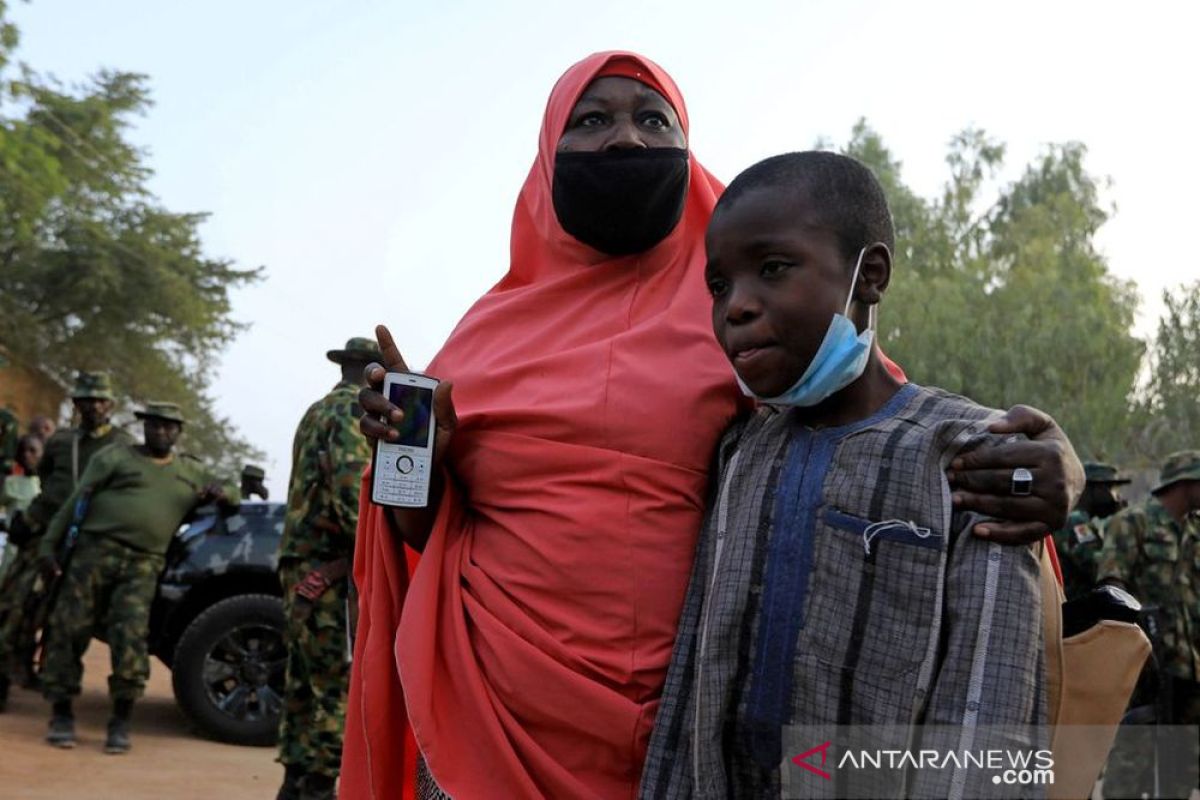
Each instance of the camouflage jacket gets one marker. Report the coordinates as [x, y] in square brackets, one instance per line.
[1079, 544]
[67, 455]
[329, 455]
[1158, 560]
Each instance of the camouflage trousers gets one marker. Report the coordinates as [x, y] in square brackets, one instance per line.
[16, 641]
[318, 674]
[1130, 770]
[107, 589]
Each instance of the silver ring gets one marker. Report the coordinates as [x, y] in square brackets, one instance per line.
[1022, 482]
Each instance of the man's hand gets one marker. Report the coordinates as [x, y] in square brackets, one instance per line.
[312, 586]
[982, 479]
[213, 493]
[48, 568]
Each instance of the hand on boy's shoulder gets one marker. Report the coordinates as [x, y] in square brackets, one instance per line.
[982, 479]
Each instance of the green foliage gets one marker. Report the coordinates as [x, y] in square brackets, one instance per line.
[94, 272]
[1009, 301]
[1172, 406]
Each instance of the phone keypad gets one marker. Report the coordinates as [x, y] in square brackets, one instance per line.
[402, 479]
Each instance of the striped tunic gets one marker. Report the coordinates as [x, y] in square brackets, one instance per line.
[834, 585]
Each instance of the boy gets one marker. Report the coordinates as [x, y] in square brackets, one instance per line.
[833, 584]
[16, 493]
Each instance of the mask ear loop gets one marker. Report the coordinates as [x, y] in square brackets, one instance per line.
[854, 282]
[872, 323]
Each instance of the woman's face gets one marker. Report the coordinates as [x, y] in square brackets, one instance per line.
[616, 113]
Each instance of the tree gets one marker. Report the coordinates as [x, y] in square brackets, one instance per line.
[94, 272]
[1172, 403]
[1009, 301]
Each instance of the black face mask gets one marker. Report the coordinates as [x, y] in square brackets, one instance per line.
[620, 201]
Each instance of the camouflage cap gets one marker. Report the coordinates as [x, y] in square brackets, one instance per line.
[93, 385]
[359, 348]
[1181, 466]
[160, 410]
[252, 472]
[1099, 472]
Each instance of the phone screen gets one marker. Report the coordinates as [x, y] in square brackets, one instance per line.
[416, 402]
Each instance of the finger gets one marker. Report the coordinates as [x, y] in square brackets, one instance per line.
[1019, 509]
[1023, 419]
[1011, 532]
[443, 406]
[1006, 455]
[372, 428]
[991, 481]
[391, 354]
[375, 404]
[374, 374]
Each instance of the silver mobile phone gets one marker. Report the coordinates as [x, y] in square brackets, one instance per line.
[402, 468]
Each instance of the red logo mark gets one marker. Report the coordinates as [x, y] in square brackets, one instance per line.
[802, 760]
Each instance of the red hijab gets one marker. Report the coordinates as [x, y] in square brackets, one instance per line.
[534, 637]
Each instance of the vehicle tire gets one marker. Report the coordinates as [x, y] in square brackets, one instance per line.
[229, 669]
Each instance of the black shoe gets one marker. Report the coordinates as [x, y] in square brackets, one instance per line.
[292, 775]
[62, 731]
[317, 787]
[117, 741]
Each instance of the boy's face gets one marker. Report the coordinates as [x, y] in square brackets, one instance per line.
[29, 454]
[776, 280]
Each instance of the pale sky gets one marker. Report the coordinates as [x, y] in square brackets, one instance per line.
[368, 154]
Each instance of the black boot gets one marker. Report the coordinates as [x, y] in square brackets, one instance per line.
[290, 790]
[62, 725]
[317, 787]
[117, 741]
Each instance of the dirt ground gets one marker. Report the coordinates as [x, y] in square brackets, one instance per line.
[167, 760]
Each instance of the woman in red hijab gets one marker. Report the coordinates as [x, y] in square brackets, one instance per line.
[588, 394]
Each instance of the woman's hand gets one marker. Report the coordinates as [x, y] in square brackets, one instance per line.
[375, 406]
[982, 479]
[413, 524]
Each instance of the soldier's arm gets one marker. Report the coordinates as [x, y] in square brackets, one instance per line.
[349, 455]
[1120, 547]
[97, 473]
[226, 493]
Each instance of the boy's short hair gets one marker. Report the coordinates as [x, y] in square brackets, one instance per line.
[847, 194]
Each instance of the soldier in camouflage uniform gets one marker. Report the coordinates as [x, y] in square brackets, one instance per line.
[64, 459]
[1079, 542]
[135, 499]
[252, 482]
[328, 457]
[1153, 550]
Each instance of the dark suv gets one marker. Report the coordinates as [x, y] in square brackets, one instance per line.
[218, 622]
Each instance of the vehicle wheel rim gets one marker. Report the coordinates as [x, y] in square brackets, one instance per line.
[243, 673]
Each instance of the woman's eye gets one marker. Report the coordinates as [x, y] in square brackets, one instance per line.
[772, 269]
[717, 286]
[591, 120]
[656, 121]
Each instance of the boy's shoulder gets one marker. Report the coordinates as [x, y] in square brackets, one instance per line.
[931, 405]
[744, 429]
[920, 412]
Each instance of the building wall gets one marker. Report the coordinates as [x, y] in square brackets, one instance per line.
[28, 392]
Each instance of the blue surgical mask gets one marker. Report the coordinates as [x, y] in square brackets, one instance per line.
[839, 361]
